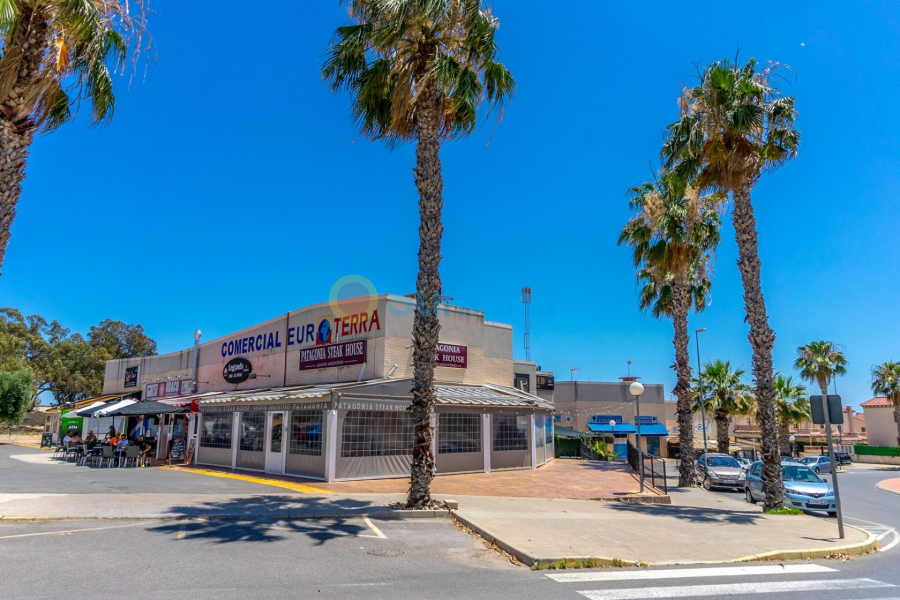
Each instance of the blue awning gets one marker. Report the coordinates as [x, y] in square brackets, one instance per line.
[619, 428]
[653, 430]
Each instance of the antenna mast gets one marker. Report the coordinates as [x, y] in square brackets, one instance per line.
[526, 300]
[572, 370]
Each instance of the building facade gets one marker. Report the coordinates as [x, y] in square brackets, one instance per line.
[322, 392]
[879, 422]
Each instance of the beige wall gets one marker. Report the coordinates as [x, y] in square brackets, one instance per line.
[578, 400]
[880, 426]
[276, 363]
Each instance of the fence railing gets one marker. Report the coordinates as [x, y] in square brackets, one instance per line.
[654, 467]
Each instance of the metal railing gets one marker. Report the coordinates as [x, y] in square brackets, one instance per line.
[654, 468]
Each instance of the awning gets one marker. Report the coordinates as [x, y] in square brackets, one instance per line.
[605, 428]
[147, 407]
[88, 410]
[104, 412]
[567, 432]
[652, 430]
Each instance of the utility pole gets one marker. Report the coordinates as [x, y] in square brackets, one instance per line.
[526, 300]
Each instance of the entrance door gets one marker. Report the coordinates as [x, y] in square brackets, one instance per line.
[653, 446]
[275, 443]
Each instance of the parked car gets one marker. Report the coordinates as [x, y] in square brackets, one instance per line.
[819, 464]
[722, 471]
[803, 488]
[843, 458]
[745, 462]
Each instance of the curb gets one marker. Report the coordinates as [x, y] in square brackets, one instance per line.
[887, 489]
[635, 499]
[542, 562]
[396, 515]
[25, 445]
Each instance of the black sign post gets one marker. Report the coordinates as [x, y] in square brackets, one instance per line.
[237, 370]
[826, 413]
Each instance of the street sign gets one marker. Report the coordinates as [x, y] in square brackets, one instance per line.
[835, 412]
[647, 420]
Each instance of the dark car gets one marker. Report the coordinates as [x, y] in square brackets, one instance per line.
[843, 458]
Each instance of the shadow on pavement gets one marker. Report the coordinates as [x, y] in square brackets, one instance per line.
[269, 519]
[691, 513]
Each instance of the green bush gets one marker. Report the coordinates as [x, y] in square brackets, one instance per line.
[877, 450]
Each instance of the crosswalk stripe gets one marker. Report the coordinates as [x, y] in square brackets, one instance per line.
[688, 573]
[731, 589]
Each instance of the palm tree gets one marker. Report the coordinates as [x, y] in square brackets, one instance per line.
[819, 362]
[886, 382]
[724, 395]
[791, 408]
[419, 70]
[735, 125]
[673, 235]
[56, 54]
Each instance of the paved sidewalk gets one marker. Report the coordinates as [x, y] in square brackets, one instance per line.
[697, 527]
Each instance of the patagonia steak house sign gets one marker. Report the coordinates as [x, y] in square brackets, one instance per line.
[452, 355]
[333, 355]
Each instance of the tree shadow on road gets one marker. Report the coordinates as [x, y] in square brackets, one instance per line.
[692, 514]
[268, 519]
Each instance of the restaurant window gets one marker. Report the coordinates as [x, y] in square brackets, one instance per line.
[548, 432]
[368, 433]
[253, 431]
[216, 431]
[306, 432]
[510, 432]
[459, 433]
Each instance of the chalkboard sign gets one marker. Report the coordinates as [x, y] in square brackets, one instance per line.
[176, 451]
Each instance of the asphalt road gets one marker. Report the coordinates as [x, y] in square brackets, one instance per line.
[359, 558]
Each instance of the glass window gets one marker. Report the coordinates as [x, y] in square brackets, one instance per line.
[459, 433]
[306, 432]
[723, 461]
[370, 433]
[798, 473]
[510, 432]
[216, 431]
[253, 431]
[277, 428]
[548, 432]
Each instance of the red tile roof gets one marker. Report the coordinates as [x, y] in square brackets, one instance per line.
[879, 401]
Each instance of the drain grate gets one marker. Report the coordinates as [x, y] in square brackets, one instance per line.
[386, 552]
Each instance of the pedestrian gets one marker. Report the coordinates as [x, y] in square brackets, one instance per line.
[111, 433]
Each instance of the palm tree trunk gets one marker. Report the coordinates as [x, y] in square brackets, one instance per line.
[426, 327]
[16, 126]
[722, 423]
[784, 437]
[680, 306]
[762, 339]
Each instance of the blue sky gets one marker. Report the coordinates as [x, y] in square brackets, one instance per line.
[232, 187]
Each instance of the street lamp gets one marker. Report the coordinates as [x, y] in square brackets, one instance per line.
[612, 426]
[792, 439]
[700, 392]
[637, 390]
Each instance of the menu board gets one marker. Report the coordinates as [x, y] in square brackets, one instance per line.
[176, 451]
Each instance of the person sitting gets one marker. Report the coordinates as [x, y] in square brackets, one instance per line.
[67, 439]
[113, 439]
[111, 433]
[91, 439]
[122, 442]
[76, 438]
[146, 446]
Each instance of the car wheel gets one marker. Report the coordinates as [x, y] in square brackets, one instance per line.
[817, 470]
[748, 496]
[706, 484]
[832, 513]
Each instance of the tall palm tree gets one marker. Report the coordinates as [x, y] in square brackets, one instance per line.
[54, 55]
[724, 395]
[791, 408]
[734, 126]
[419, 70]
[673, 236]
[886, 382]
[819, 362]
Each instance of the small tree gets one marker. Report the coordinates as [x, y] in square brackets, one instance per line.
[15, 396]
[886, 381]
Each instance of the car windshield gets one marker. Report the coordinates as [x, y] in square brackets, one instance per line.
[801, 474]
[723, 461]
[809, 459]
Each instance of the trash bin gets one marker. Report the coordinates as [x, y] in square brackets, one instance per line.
[46, 440]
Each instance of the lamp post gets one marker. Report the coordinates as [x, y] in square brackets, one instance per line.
[700, 392]
[637, 390]
[792, 439]
[612, 426]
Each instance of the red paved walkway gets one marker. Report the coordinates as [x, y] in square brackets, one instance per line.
[561, 478]
[892, 485]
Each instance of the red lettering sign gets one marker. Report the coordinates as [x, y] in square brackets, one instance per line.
[452, 355]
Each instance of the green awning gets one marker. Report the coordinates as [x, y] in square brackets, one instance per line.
[566, 432]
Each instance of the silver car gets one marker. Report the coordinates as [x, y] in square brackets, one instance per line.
[819, 464]
[803, 488]
[721, 470]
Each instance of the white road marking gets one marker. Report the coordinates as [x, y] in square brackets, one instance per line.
[689, 573]
[893, 543]
[377, 531]
[731, 589]
[68, 531]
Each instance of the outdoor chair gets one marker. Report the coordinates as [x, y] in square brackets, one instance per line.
[90, 455]
[108, 454]
[72, 450]
[133, 454]
[60, 449]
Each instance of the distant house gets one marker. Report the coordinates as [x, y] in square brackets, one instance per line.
[879, 422]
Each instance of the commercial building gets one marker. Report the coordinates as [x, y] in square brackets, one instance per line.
[590, 407]
[322, 392]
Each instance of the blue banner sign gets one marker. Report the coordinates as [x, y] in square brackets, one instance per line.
[646, 420]
[605, 419]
